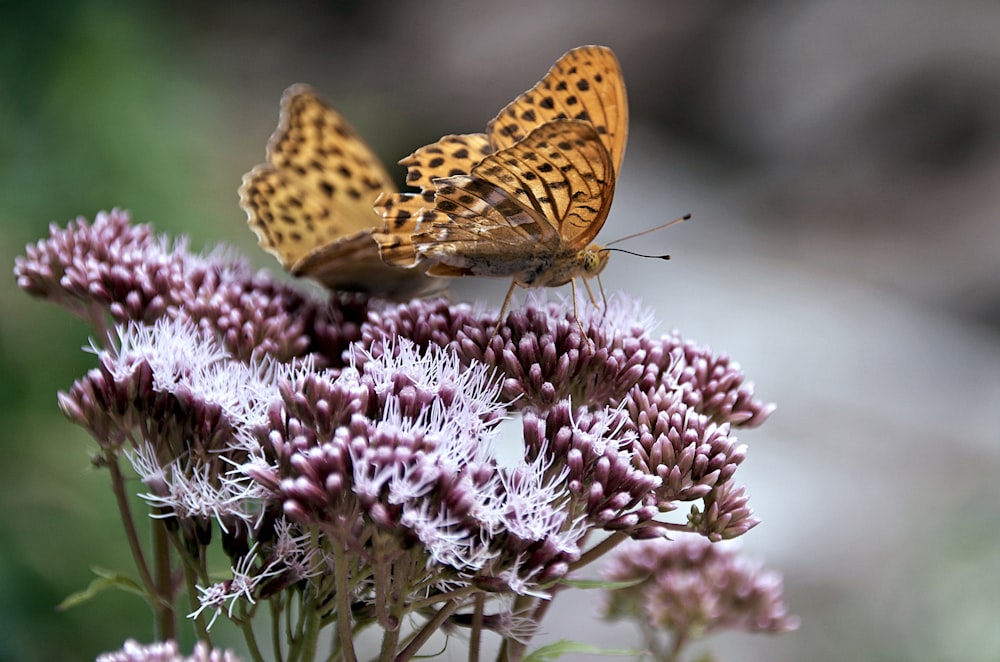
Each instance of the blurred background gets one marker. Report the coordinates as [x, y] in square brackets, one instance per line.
[841, 160]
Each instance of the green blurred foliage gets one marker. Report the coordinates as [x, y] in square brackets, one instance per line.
[101, 105]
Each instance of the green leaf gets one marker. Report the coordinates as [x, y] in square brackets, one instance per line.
[565, 646]
[107, 579]
[588, 584]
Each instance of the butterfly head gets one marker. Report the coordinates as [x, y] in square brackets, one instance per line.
[595, 259]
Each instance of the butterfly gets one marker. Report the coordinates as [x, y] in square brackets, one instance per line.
[526, 199]
[310, 204]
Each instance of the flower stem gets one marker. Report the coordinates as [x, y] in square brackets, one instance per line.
[343, 604]
[430, 627]
[390, 641]
[128, 523]
[600, 549]
[680, 641]
[191, 580]
[276, 607]
[246, 626]
[166, 624]
[475, 636]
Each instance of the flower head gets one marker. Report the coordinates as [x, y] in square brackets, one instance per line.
[710, 383]
[692, 587]
[351, 447]
[130, 274]
[167, 651]
[546, 358]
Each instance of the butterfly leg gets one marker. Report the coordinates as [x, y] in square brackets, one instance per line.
[604, 298]
[576, 312]
[503, 309]
[590, 292]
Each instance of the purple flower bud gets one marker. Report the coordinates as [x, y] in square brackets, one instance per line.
[690, 453]
[726, 514]
[711, 384]
[599, 465]
[546, 359]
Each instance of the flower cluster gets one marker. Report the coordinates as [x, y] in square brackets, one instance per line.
[347, 450]
[166, 651]
[113, 269]
[691, 588]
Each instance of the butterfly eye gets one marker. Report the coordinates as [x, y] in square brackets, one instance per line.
[593, 261]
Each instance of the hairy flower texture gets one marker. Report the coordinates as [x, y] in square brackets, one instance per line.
[194, 494]
[391, 455]
[171, 397]
[247, 574]
[401, 451]
[348, 445]
[171, 383]
[167, 651]
[711, 384]
[112, 266]
[692, 587]
[518, 627]
[595, 450]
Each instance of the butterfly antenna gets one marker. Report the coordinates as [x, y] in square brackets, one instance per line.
[644, 232]
[622, 250]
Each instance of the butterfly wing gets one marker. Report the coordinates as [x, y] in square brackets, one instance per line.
[310, 203]
[519, 208]
[585, 84]
[404, 212]
[450, 156]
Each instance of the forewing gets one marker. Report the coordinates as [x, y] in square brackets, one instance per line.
[522, 207]
[318, 183]
[584, 84]
[310, 204]
[560, 174]
[450, 156]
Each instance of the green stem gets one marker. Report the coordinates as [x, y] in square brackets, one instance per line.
[475, 636]
[276, 608]
[166, 624]
[513, 650]
[159, 602]
[390, 641]
[343, 604]
[310, 634]
[419, 605]
[510, 650]
[680, 641]
[295, 628]
[98, 320]
[395, 577]
[429, 628]
[246, 626]
[600, 549]
[191, 580]
[118, 488]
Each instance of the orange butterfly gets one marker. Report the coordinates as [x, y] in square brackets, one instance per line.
[310, 204]
[526, 199]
